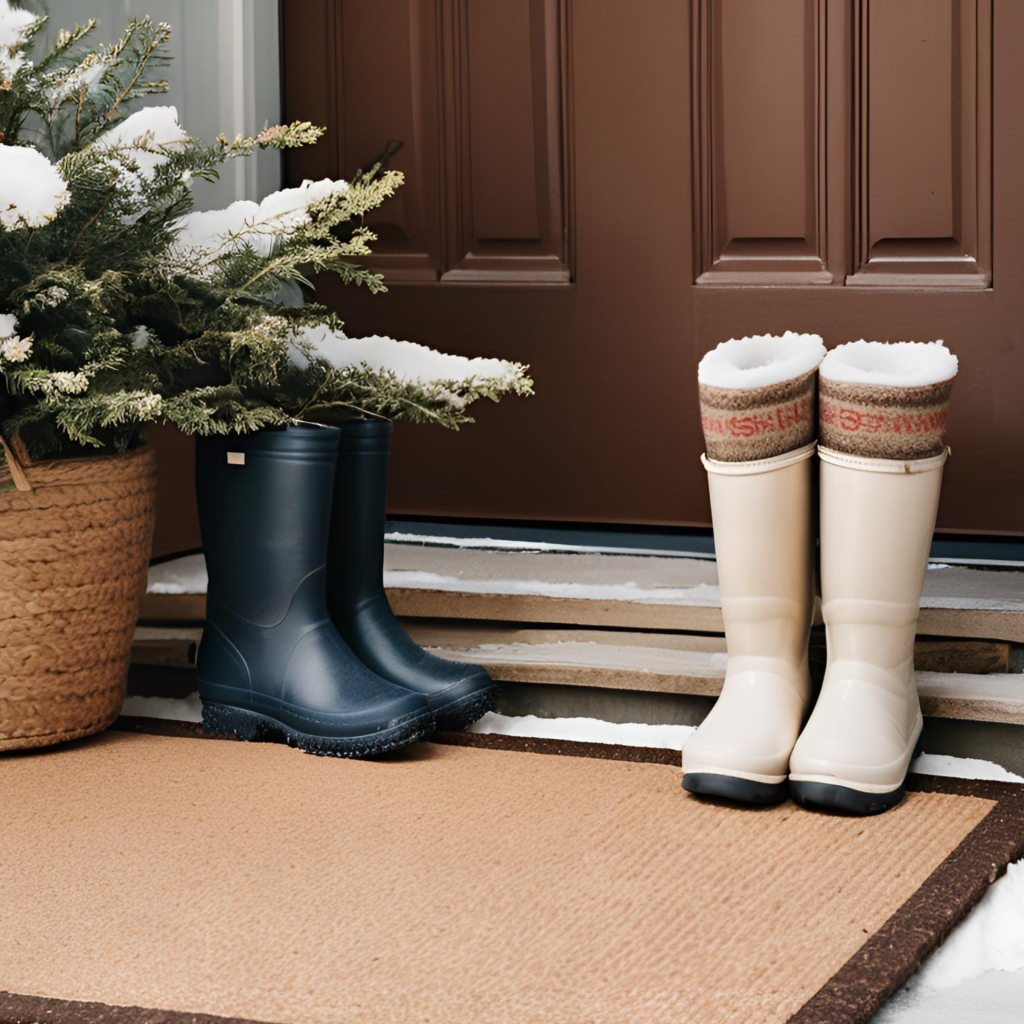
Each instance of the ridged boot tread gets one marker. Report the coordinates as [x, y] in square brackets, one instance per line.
[467, 710]
[239, 723]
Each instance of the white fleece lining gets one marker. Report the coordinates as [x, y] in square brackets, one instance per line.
[900, 364]
[761, 360]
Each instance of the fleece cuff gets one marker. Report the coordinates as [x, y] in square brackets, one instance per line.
[747, 424]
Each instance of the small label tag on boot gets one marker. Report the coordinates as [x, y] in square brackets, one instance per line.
[236, 458]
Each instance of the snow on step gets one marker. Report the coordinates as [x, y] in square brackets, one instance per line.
[655, 592]
[986, 698]
[631, 591]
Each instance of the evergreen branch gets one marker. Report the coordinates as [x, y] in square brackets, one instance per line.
[66, 41]
[118, 310]
[338, 404]
[162, 36]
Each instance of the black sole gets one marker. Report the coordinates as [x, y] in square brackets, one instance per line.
[824, 796]
[841, 799]
[242, 724]
[726, 787]
[466, 710]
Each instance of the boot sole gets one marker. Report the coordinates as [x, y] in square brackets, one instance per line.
[727, 787]
[844, 800]
[466, 710]
[242, 724]
[824, 797]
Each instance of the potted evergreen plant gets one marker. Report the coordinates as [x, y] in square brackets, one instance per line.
[120, 307]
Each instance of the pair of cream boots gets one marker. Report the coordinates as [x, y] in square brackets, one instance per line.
[877, 514]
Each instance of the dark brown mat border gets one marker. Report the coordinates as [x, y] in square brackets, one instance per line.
[851, 996]
[15, 1009]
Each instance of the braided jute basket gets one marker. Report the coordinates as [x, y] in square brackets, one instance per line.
[75, 539]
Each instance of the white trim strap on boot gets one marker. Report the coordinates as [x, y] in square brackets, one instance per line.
[877, 519]
[761, 512]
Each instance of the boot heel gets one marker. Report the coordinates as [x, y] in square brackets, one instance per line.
[234, 722]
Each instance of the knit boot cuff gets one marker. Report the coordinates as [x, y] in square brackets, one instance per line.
[885, 401]
[757, 395]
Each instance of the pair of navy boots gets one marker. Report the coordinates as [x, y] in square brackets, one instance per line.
[300, 642]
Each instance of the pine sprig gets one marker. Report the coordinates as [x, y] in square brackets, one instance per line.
[71, 94]
[281, 136]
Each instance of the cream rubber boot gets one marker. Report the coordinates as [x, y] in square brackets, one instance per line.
[761, 512]
[877, 519]
[758, 417]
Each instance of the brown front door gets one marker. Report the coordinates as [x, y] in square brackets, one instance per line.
[605, 190]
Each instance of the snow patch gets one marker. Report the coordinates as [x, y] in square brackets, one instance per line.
[994, 997]
[204, 235]
[32, 192]
[412, 363]
[701, 595]
[493, 543]
[288, 209]
[185, 575]
[900, 364]
[14, 26]
[540, 546]
[175, 709]
[990, 939]
[962, 768]
[585, 730]
[755, 362]
[146, 136]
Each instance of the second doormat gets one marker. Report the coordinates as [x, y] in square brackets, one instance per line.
[456, 884]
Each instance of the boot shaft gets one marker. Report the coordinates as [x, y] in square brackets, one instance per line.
[264, 511]
[761, 511]
[762, 520]
[877, 519]
[356, 555]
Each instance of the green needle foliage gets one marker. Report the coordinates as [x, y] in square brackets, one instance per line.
[119, 306]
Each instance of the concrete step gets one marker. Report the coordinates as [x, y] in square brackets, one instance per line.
[610, 591]
[656, 663]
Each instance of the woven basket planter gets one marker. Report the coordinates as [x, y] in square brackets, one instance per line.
[73, 556]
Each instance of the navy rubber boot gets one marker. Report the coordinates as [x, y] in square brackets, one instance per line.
[271, 664]
[458, 693]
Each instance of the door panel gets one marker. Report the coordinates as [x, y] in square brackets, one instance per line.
[341, 90]
[506, 168]
[922, 133]
[607, 190]
[759, 138]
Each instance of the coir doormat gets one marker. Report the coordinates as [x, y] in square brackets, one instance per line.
[162, 879]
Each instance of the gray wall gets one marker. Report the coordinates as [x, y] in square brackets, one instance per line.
[224, 76]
